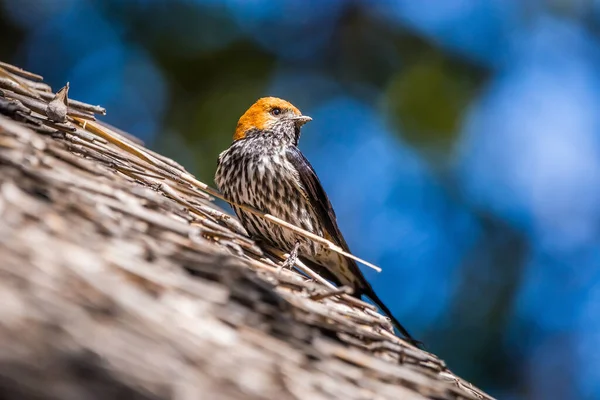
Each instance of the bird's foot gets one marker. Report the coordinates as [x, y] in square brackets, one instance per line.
[291, 260]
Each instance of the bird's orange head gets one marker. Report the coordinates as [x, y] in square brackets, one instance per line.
[270, 114]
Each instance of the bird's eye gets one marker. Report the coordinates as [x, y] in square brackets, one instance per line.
[276, 111]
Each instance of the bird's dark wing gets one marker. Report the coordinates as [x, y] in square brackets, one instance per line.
[316, 195]
[321, 204]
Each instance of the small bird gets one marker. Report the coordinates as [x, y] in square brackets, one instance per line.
[264, 168]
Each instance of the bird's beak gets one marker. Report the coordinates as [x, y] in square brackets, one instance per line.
[301, 119]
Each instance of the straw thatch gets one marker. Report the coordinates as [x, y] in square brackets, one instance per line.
[120, 278]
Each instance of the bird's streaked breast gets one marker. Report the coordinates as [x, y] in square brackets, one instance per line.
[247, 174]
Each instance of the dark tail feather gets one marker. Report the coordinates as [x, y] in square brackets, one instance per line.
[366, 290]
[370, 293]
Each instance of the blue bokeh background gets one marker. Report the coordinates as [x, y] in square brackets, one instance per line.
[459, 141]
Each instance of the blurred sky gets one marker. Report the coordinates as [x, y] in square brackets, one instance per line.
[459, 141]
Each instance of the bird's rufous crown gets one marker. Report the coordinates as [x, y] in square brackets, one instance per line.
[259, 116]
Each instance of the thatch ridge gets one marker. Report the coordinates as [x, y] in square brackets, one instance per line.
[122, 279]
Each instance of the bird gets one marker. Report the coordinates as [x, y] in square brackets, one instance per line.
[264, 168]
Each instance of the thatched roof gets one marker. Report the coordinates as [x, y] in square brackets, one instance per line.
[120, 278]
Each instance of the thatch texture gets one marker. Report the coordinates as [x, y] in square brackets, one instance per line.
[120, 278]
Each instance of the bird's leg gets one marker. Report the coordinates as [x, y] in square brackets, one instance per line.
[292, 258]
